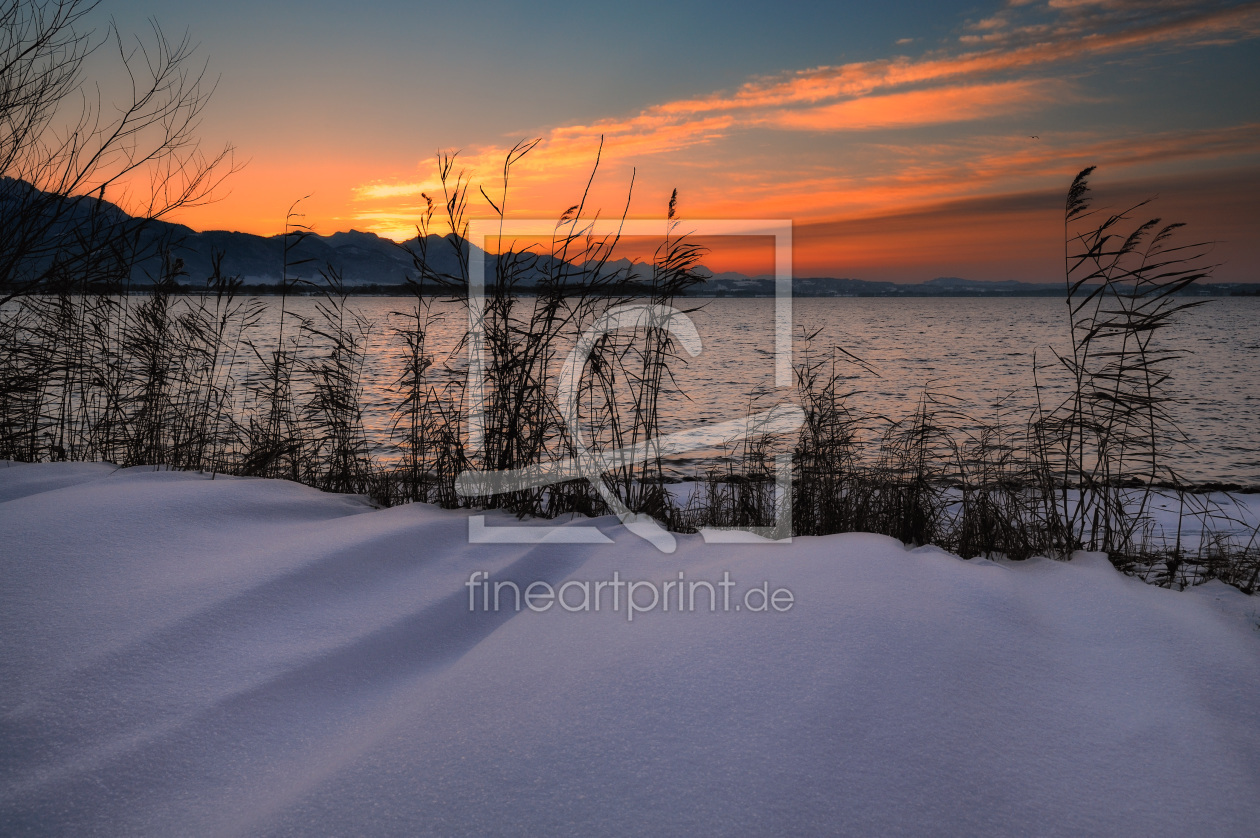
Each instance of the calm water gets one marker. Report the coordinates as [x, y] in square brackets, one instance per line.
[977, 351]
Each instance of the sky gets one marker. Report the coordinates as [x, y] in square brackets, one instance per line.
[903, 140]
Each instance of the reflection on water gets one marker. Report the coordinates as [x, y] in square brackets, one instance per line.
[978, 351]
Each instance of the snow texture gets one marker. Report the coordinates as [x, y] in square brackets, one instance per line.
[188, 656]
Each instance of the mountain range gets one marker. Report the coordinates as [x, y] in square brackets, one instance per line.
[366, 262]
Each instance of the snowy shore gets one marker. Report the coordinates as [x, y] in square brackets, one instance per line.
[187, 656]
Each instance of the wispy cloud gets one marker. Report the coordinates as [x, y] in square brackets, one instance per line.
[923, 174]
[1017, 234]
[1002, 64]
[958, 103]
[374, 191]
[1069, 40]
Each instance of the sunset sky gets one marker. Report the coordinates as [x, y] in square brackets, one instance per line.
[905, 140]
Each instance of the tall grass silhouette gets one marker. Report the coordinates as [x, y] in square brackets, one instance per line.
[96, 368]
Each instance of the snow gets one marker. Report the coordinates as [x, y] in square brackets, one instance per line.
[188, 656]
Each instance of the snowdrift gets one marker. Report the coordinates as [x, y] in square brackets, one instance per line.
[187, 656]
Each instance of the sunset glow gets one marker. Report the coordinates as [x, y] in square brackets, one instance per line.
[885, 164]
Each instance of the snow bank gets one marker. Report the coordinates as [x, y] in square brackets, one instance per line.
[186, 656]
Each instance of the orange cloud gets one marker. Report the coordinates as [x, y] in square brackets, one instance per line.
[1019, 235]
[922, 107]
[865, 78]
[856, 96]
[923, 174]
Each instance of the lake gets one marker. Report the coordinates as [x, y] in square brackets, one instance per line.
[975, 353]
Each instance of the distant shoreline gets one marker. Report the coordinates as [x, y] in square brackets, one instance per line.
[918, 290]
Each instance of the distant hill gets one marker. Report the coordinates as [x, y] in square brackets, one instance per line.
[368, 262]
[946, 286]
